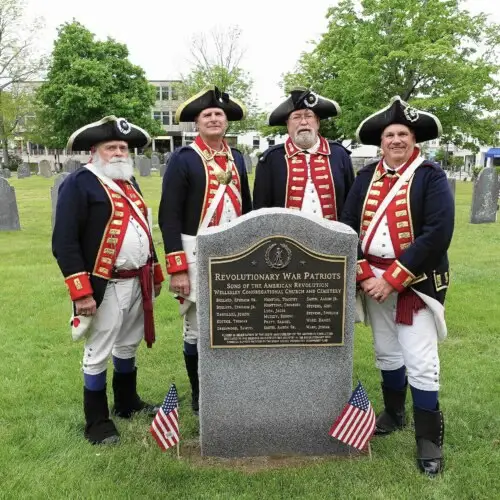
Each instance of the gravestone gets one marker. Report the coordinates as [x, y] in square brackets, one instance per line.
[54, 192]
[255, 160]
[248, 163]
[7, 173]
[45, 169]
[453, 185]
[276, 325]
[71, 165]
[163, 169]
[23, 171]
[9, 215]
[155, 161]
[144, 166]
[485, 197]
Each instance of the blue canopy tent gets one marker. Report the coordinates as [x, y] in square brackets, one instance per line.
[492, 153]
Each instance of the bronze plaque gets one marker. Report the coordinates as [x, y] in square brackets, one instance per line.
[277, 293]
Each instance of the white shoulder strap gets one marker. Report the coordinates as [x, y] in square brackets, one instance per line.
[115, 187]
[385, 202]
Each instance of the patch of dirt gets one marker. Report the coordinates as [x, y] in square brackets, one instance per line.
[190, 452]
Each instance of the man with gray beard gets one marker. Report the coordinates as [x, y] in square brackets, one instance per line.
[308, 172]
[103, 246]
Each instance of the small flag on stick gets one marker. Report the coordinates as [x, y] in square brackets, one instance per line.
[356, 424]
[165, 426]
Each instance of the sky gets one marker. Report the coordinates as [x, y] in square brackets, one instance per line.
[159, 33]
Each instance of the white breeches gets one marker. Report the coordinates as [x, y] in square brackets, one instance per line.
[118, 326]
[415, 346]
[190, 330]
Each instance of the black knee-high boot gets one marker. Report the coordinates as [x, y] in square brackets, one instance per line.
[99, 429]
[429, 434]
[393, 417]
[192, 371]
[127, 401]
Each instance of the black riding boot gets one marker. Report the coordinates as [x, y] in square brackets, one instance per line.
[99, 429]
[393, 417]
[127, 401]
[429, 434]
[192, 371]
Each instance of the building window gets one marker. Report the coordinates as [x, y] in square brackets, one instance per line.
[158, 93]
[166, 118]
[173, 121]
[157, 115]
[163, 117]
[256, 142]
[164, 93]
[175, 95]
[271, 142]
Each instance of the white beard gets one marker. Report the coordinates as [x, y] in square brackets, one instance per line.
[118, 169]
[305, 139]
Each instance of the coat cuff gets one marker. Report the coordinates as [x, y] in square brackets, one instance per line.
[398, 276]
[158, 276]
[363, 270]
[176, 262]
[79, 285]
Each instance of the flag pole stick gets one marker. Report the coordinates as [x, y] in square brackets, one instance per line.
[369, 450]
[178, 452]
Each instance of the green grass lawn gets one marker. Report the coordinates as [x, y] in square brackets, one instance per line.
[42, 450]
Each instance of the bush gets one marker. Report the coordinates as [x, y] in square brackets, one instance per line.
[475, 172]
[14, 162]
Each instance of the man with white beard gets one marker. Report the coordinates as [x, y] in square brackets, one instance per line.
[308, 172]
[103, 246]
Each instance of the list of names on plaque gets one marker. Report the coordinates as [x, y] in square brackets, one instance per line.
[300, 304]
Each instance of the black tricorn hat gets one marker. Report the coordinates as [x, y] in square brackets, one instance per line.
[109, 128]
[425, 126]
[211, 97]
[302, 98]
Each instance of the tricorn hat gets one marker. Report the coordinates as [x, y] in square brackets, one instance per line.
[425, 126]
[110, 128]
[302, 98]
[210, 97]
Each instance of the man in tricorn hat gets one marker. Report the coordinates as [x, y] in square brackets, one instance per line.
[403, 211]
[308, 172]
[103, 246]
[205, 185]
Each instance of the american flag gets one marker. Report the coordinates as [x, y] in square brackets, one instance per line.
[356, 424]
[165, 426]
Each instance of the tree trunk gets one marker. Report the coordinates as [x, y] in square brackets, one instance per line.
[5, 151]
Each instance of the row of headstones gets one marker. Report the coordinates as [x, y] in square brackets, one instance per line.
[45, 169]
[484, 201]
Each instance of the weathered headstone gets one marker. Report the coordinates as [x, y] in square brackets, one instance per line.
[163, 169]
[453, 185]
[276, 325]
[155, 161]
[485, 197]
[248, 163]
[23, 171]
[7, 173]
[71, 165]
[45, 169]
[9, 215]
[255, 160]
[54, 192]
[144, 166]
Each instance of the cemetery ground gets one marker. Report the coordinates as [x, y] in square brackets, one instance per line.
[43, 453]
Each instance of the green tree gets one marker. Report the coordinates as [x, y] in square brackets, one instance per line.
[89, 79]
[430, 52]
[19, 61]
[216, 60]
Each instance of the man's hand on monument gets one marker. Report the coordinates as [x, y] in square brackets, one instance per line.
[367, 284]
[179, 283]
[85, 306]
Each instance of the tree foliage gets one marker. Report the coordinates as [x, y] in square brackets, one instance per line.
[19, 61]
[432, 53]
[216, 60]
[87, 80]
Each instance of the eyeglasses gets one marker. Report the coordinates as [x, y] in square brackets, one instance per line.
[308, 116]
